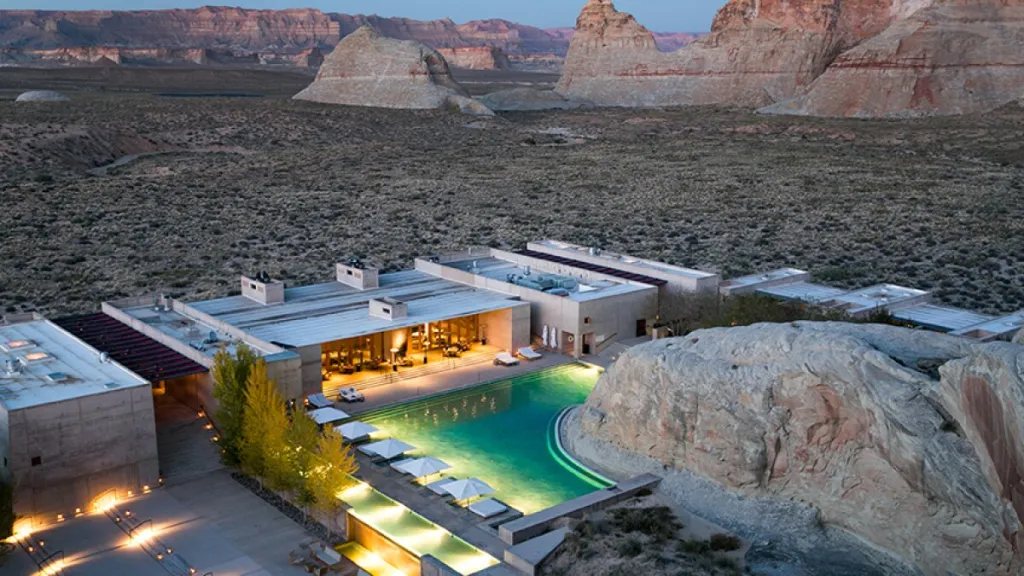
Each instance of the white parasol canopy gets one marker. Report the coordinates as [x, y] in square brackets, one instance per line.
[466, 489]
[356, 429]
[545, 334]
[421, 467]
[327, 415]
[389, 448]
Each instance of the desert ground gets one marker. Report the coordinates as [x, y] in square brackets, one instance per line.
[241, 184]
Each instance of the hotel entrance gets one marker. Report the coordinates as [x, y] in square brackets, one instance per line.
[352, 361]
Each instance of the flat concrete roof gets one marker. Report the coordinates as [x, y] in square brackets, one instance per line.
[613, 257]
[878, 296]
[187, 329]
[51, 365]
[941, 318]
[802, 291]
[333, 311]
[995, 327]
[499, 269]
[755, 279]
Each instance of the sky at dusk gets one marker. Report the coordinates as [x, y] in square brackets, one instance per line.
[658, 15]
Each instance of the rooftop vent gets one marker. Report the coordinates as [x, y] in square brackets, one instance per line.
[262, 289]
[11, 367]
[104, 358]
[111, 385]
[58, 377]
[355, 274]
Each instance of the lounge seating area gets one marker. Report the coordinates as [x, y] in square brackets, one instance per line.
[319, 559]
[530, 353]
[505, 359]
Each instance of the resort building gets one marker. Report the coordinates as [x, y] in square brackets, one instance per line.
[754, 282]
[1003, 328]
[73, 422]
[866, 301]
[802, 292]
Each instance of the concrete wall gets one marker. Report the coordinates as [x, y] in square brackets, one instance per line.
[5, 445]
[430, 566]
[615, 317]
[86, 446]
[507, 329]
[310, 373]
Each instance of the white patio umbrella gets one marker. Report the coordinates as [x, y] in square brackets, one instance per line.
[466, 489]
[356, 429]
[421, 467]
[389, 448]
[327, 415]
[545, 333]
[554, 338]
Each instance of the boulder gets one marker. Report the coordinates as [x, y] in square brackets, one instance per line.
[955, 57]
[41, 96]
[368, 69]
[1019, 338]
[908, 440]
[759, 52]
[530, 99]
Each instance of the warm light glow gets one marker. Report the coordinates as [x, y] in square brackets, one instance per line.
[22, 529]
[143, 535]
[33, 356]
[145, 488]
[201, 414]
[55, 568]
[387, 512]
[105, 503]
[130, 493]
[60, 517]
[78, 511]
[354, 492]
[208, 426]
[17, 344]
[474, 563]
[214, 439]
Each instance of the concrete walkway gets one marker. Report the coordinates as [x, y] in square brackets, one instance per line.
[457, 379]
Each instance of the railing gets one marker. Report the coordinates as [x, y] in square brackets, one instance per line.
[49, 563]
[141, 532]
[604, 344]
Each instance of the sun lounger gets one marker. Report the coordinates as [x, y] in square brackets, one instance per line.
[437, 486]
[350, 395]
[487, 508]
[529, 354]
[319, 401]
[505, 359]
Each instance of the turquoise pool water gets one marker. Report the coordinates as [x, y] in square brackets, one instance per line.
[501, 433]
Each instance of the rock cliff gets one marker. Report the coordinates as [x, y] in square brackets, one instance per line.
[955, 57]
[912, 441]
[476, 58]
[759, 52]
[368, 69]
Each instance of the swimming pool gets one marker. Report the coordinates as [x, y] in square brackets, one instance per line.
[502, 433]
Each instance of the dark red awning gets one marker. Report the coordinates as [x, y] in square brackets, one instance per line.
[130, 348]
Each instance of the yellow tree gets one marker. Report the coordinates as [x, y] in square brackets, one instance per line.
[332, 474]
[264, 446]
[303, 440]
[230, 376]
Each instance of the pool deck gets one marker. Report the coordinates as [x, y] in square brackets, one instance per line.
[457, 379]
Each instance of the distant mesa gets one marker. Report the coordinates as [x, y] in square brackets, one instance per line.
[368, 69]
[890, 58]
[476, 58]
[41, 96]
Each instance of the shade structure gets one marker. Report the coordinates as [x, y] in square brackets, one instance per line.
[545, 334]
[421, 467]
[389, 448]
[356, 429]
[327, 415]
[466, 489]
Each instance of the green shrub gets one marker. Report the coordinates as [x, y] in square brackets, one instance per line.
[696, 547]
[724, 542]
[630, 548]
[658, 522]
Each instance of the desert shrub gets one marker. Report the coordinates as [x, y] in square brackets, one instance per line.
[724, 542]
[630, 548]
[658, 523]
[696, 547]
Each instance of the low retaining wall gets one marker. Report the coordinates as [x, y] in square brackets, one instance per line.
[528, 527]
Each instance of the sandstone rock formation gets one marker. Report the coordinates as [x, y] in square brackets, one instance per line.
[1019, 338]
[529, 100]
[476, 58]
[954, 57]
[758, 53]
[913, 441]
[367, 69]
[41, 96]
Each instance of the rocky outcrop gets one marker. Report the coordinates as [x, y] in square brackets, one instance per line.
[41, 96]
[368, 69]
[757, 54]
[529, 100]
[912, 441]
[955, 57]
[476, 58]
[1019, 338]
